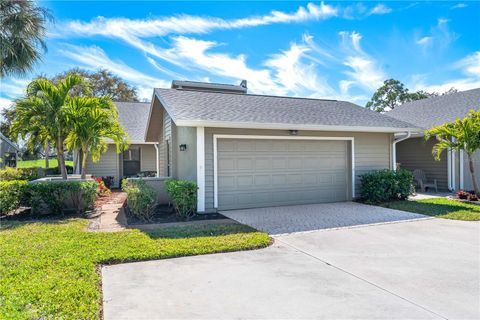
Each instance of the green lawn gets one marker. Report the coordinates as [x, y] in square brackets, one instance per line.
[440, 208]
[49, 270]
[52, 163]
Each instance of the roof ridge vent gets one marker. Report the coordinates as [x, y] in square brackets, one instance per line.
[209, 87]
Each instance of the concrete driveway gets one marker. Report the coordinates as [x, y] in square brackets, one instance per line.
[415, 269]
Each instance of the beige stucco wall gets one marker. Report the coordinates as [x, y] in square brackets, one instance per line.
[372, 152]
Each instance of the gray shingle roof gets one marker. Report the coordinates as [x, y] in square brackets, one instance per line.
[435, 111]
[134, 117]
[190, 107]
[9, 142]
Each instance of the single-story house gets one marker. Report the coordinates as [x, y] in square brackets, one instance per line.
[246, 150]
[451, 172]
[139, 159]
[8, 152]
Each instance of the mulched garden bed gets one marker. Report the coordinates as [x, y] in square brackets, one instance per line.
[166, 214]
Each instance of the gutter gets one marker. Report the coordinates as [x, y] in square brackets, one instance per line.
[394, 149]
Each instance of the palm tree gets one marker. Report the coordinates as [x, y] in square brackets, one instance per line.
[40, 115]
[462, 134]
[22, 33]
[92, 121]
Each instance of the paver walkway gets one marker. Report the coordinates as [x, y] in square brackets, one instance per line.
[111, 215]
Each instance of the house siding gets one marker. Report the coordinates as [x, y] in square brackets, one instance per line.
[108, 165]
[372, 152]
[148, 157]
[185, 161]
[416, 153]
[4, 148]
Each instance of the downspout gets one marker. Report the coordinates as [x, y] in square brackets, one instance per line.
[394, 149]
[157, 157]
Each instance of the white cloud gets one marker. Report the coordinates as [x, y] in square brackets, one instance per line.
[459, 84]
[93, 58]
[470, 65]
[425, 41]
[5, 103]
[13, 88]
[297, 77]
[458, 6]
[198, 53]
[187, 24]
[380, 9]
[364, 70]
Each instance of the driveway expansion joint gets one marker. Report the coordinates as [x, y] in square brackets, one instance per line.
[359, 278]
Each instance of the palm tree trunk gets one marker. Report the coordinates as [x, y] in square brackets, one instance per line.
[47, 155]
[61, 159]
[84, 164]
[474, 177]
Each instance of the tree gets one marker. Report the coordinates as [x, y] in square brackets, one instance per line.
[22, 34]
[394, 93]
[91, 121]
[6, 118]
[103, 83]
[462, 134]
[391, 94]
[40, 116]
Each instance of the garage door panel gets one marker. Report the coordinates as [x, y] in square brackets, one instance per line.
[254, 173]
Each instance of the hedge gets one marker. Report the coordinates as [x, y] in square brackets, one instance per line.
[12, 195]
[9, 174]
[59, 196]
[386, 185]
[141, 198]
[183, 194]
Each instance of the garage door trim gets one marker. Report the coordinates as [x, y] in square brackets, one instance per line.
[231, 136]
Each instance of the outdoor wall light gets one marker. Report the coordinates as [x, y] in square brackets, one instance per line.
[183, 147]
[293, 132]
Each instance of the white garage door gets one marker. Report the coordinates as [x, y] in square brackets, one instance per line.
[261, 173]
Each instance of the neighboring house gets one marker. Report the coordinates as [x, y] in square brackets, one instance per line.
[246, 150]
[8, 152]
[413, 153]
[141, 157]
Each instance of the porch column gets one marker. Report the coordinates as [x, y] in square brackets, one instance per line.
[201, 169]
[461, 170]
[157, 158]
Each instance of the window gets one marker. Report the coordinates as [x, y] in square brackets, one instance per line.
[131, 162]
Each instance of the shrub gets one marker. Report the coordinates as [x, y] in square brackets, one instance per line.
[57, 196]
[141, 199]
[467, 195]
[102, 190]
[9, 174]
[56, 170]
[386, 185]
[183, 194]
[12, 194]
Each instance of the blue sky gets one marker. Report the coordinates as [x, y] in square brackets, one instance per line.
[339, 50]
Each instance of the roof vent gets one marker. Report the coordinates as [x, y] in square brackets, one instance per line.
[210, 87]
